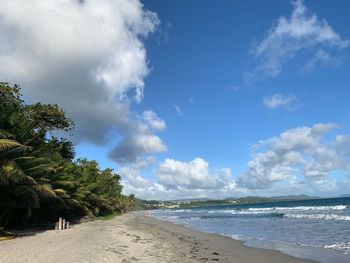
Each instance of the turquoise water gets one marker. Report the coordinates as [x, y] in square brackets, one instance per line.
[321, 223]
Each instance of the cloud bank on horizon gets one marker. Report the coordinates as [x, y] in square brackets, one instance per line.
[90, 58]
[299, 160]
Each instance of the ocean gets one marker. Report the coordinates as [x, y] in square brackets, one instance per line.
[319, 223]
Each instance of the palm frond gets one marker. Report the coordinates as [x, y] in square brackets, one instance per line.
[65, 184]
[22, 158]
[40, 169]
[10, 173]
[6, 144]
[14, 152]
[6, 135]
[61, 193]
[45, 191]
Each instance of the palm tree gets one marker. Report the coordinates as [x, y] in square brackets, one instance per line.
[39, 178]
[22, 183]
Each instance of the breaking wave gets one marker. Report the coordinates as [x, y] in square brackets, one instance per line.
[343, 247]
[319, 216]
[302, 208]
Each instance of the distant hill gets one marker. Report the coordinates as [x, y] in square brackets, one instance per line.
[259, 199]
[250, 199]
[192, 200]
[199, 202]
[296, 197]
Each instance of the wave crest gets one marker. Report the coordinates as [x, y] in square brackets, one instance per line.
[318, 216]
[303, 208]
[343, 247]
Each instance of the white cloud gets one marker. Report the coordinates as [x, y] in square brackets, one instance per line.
[178, 180]
[299, 160]
[321, 57]
[152, 119]
[131, 173]
[299, 157]
[302, 31]
[138, 138]
[178, 110]
[88, 57]
[280, 101]
[192, 175]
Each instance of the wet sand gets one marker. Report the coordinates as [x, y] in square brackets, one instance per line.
[132, 238]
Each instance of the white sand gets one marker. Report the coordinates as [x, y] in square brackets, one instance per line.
[129, 238]
[98, 241]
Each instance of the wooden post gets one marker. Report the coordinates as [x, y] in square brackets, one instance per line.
[60, 223]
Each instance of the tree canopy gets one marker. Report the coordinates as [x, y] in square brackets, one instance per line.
[40, 179]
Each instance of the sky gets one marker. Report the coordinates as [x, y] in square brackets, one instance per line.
[193, 99]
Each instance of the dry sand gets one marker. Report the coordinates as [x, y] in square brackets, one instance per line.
[131, 238]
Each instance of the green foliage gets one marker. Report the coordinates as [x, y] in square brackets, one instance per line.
[108, 217]
[39, 178]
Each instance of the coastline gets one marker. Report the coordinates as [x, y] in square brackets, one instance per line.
[133, 238]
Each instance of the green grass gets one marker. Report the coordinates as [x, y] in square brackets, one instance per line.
[108, 217]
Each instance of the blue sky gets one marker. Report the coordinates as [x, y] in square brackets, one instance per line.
[232, 97]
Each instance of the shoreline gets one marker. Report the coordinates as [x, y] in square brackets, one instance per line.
[312, 253]
[133, 238]
[317, 254]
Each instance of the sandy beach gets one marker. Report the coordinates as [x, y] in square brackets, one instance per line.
[131, 238]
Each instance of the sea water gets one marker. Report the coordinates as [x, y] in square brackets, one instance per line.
[320, 223]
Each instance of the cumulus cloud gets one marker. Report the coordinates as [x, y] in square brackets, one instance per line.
[192, 175]
[302, 31]
[178, 180]
[299, 160]
[139, 138]
[280, 101]
[154, 122]
[299, 157]
[131, 173]
[88, 57]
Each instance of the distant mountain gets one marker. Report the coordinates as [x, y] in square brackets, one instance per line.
[347, 195]
[295, 197]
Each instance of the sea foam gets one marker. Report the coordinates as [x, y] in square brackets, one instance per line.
[318, 216]
[343, 247]
[302, 208]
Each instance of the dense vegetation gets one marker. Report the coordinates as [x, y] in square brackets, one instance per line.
[40, 179]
